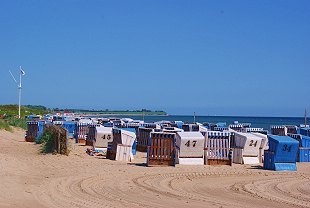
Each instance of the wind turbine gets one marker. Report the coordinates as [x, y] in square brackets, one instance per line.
[21, 73]
[306, 114]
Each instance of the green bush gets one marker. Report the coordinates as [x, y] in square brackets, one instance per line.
[54, 140]
[4, 125]
[26, 110]
[12, 121]
[48, 142]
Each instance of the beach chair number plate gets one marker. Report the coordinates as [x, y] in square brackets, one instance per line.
[108, 137]
[188, 143]
[253, 143]
[287, 147]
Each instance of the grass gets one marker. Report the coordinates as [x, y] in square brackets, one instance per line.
[12, 110]
[9, 122]
[54, 140]
[8, 115]
[21, 123]
[48, 142]
[4, 125]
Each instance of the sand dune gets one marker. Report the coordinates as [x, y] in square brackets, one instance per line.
[29, 179]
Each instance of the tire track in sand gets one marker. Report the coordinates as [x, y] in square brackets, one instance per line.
[70, 192]
[190, 186]
[199, 189]
[281, 189]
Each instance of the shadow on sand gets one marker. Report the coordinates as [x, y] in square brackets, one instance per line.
[256, 167]
[138, 164]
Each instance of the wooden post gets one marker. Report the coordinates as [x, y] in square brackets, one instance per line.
[58, 140]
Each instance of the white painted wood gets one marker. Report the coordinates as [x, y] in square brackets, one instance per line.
[248, 146]
[249, 142]
[128, 137]
[237, 155]
[123, 153]
[264, 146]
[190, 144]
[217, 146]
[250, 160]
[191, 161]
[172, 130]
[103, 136]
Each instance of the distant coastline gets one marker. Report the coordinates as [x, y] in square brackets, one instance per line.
[117, 114]
[143, 112]
[12, 109]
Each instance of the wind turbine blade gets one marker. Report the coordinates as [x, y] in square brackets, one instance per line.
[21, 70]
[13, 76]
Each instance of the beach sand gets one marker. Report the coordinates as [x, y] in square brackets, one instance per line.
[30, 179]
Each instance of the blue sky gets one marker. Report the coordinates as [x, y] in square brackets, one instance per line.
[211, 57]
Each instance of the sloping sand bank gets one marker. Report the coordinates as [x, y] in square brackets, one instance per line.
[29, 179]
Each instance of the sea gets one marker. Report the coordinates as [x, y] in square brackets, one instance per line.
[257, 122]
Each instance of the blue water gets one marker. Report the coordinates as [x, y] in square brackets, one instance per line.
[262, 122]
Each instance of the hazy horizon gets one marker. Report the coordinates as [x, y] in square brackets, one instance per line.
[173, 113]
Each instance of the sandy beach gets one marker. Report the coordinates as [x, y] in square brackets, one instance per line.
[30, 179]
